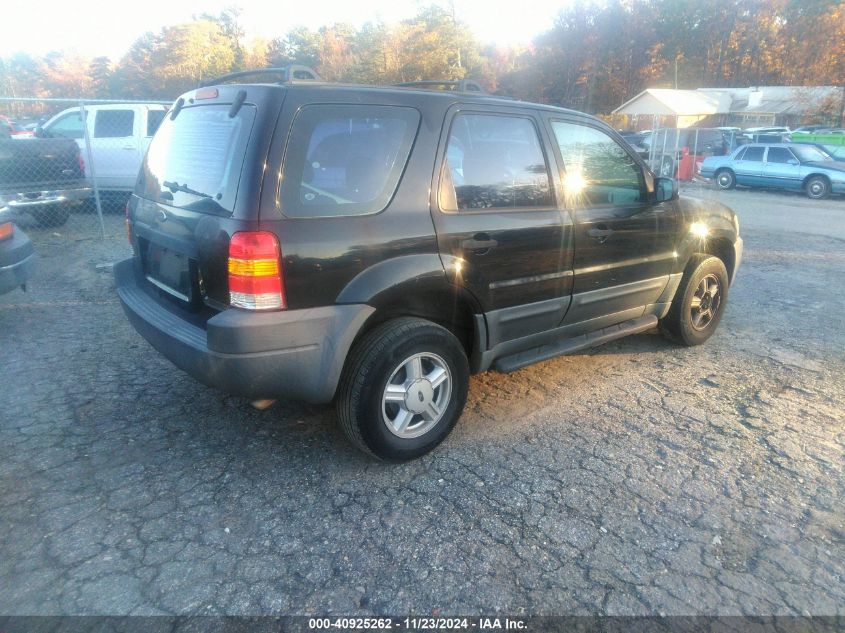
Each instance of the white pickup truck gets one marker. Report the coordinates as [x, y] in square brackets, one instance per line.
[119, 134]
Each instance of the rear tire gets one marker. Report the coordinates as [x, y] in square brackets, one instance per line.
[725, 179]
[699, 302]
[51, 216]
[403, 389]
[817, 188]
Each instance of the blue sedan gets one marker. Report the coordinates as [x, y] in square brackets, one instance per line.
[791, 166]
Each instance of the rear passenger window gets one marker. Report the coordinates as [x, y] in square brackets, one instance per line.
[113, 123]
[753, 153]
[345, 159]
[494, 162]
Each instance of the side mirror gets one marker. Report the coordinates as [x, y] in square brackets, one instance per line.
[792, 161]
[665, 189]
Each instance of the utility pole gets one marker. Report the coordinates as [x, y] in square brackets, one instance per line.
[842, 107]
[676, 71]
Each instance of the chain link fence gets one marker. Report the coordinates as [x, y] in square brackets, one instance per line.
[67, 165]
[678, 152]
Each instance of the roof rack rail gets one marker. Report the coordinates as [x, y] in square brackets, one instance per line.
[464, 85]
[288, 74]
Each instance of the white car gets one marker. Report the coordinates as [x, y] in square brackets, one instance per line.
[119, 134]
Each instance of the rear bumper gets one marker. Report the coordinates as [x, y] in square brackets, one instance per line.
[17, 261]
[33, 199]
[295, 354]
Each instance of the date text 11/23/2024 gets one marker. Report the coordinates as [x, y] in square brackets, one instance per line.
[418, 624]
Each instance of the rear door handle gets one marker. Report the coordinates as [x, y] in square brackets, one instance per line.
[480, 243]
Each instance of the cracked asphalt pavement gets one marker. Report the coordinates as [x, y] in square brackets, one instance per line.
[637, 478]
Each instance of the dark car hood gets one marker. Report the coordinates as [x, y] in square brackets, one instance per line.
[835, 165]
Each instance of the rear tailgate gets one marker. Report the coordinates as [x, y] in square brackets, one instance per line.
[200, 183]
[29, 164]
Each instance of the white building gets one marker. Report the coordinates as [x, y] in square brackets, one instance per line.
[741, 107]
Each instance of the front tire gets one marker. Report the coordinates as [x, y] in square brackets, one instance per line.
[699, 302]
[403, 389]
[725, 179]
[817, 188]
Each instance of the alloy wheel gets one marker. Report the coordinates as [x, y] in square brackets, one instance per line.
[705, 302]
[416, 395]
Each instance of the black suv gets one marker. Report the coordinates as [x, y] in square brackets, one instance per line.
[375, 246]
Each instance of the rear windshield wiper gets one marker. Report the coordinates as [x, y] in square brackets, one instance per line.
[175, 186]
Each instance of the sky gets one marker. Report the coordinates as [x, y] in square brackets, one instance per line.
[93, 27]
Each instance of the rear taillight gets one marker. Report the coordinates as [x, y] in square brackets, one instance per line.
[7, 229]
[81, 162]
[255, 272]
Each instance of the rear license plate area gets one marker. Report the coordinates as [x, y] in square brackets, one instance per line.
[170, 271]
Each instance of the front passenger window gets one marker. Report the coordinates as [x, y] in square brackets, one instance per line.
[68, 126]
[598, 170]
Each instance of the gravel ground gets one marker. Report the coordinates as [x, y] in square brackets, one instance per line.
[638, 478]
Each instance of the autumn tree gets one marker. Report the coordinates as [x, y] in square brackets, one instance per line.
[595, 54]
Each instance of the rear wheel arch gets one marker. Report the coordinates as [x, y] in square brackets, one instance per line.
[446, 305]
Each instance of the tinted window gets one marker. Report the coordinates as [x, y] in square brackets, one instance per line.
[68, 126]
[154, 119]
[195, 160]
[779, 155]
[494, 162]
[345, 159]
[753, 153]
[598, 170]
[113, 123]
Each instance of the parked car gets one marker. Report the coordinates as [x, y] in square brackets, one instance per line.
[794, 166]
[635, 140]
[667, 146]
[119, 135]
[17, 257]
[11, 128]
[375, 246]
[810, 129]
[751, 132]
[44, 177]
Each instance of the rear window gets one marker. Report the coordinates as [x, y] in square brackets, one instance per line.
[345, 159]
[195, 161]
